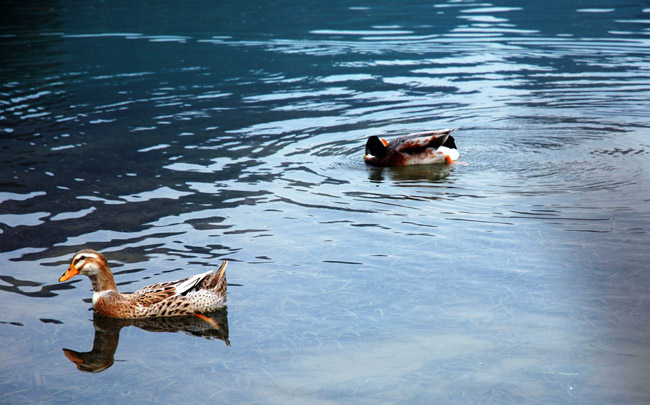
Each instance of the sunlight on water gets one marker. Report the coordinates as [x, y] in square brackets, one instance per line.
[210, 132]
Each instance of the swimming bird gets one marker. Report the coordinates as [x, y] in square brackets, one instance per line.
[414, 149]
[190, 296]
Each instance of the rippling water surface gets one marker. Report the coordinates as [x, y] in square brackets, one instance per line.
[170, 138]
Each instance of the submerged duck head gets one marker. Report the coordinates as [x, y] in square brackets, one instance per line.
[376, 147]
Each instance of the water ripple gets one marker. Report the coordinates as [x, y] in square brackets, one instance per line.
[238, 133]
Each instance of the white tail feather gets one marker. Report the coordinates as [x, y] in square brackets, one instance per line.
[188, 284]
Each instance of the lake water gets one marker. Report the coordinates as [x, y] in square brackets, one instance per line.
[170, 137]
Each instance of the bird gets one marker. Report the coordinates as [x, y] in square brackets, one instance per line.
[413, 149]
[194, 295]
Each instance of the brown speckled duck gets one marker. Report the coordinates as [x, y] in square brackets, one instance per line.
[190, 296]
[414, 149]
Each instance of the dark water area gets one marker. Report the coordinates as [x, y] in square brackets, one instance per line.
[173, 136]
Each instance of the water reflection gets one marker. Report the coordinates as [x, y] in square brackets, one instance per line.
[406, 174]
[23, 287]
[107, 334]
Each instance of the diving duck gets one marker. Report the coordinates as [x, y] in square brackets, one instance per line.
[414, 149]
[190, 296]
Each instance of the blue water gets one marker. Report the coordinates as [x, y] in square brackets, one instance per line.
[170, 137]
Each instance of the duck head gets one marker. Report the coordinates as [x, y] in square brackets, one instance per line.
[87, 262]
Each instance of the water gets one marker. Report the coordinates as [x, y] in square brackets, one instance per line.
[170, 138]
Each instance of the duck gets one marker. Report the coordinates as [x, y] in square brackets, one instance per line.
[201, 293]
[414, 149]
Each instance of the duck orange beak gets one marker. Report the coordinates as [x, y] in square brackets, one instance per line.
[71, 272]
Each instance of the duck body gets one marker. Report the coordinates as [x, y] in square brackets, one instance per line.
[200, 293]
[414, 149]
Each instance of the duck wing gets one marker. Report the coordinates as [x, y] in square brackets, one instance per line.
[152, 294]
[210, 281]
[417, 143]
[156, 293]
[424, 134]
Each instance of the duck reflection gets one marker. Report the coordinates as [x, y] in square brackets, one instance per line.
[432, 173]
[107, 334]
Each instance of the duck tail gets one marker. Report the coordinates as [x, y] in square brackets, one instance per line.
[217, 281]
